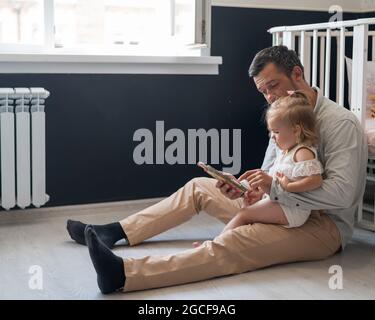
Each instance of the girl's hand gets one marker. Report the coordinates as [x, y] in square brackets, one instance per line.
[283, 180]
[252, 196]
[258, 179]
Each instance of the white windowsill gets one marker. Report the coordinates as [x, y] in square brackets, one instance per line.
[104, 63]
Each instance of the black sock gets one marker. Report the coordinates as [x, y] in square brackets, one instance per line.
[109, 267]
[109, 233]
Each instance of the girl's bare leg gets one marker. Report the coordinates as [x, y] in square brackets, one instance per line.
[263, 211]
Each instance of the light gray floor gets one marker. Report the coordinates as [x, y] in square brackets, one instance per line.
[38, 237]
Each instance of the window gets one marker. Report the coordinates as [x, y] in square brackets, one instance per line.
[129, 27]
[21, 21]
[106, 36]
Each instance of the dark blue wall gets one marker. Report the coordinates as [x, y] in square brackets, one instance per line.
[91, 118]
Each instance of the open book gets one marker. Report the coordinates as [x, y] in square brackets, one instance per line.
[221, 176]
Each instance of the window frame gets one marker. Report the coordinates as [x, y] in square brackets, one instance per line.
[45, 58]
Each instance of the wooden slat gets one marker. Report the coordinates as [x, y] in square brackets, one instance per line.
[315, 59]
[321, 64]
[359, 94]
[328, 64]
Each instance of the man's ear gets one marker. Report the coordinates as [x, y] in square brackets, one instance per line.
[297, 73]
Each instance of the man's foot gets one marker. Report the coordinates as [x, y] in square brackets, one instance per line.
[108, 233]
[109, 267]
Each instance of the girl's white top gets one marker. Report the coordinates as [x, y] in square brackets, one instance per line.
[293, 170]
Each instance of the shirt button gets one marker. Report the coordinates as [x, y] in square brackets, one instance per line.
[276, 198]
[297, 205]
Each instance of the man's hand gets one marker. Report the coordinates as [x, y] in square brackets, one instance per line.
[258, 179]
[227, 190]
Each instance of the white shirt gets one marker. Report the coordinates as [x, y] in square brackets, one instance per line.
[293, 170]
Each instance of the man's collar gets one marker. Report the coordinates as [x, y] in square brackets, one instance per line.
[319, 97]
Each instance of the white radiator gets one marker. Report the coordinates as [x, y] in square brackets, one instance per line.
[22, 147]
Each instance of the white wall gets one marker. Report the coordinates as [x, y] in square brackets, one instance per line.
[368, 5]
[315, 5]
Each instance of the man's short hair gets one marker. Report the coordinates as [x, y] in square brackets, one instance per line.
[283, 58]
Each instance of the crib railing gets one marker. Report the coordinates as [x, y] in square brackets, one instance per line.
[366, 216]
[314, 44]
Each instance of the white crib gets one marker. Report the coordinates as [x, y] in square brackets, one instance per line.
[321, 48]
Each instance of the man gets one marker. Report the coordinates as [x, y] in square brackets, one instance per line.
[343, 152]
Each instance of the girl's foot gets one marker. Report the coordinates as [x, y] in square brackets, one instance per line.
[196, 244]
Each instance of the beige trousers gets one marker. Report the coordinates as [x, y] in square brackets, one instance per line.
[245, 248]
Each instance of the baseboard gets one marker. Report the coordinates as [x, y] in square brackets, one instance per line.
[13, 216]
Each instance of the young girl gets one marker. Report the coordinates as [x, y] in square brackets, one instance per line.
[291, 123]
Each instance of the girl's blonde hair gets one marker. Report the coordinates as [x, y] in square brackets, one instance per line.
[295, 109]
